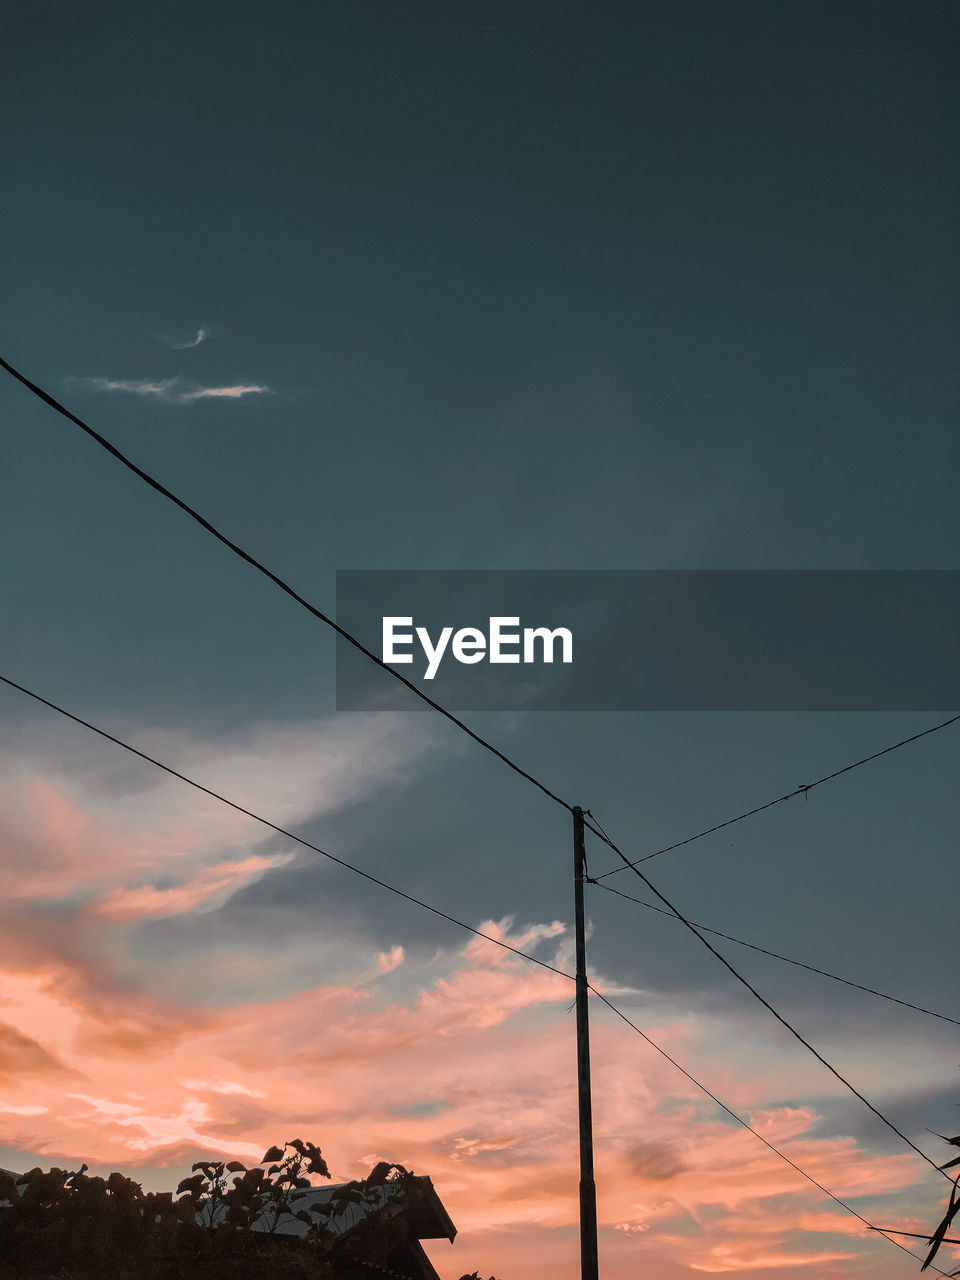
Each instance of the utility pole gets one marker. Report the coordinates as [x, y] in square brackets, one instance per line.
[589, 1265]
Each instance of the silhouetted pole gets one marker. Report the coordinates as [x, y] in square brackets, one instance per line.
[589, 1266]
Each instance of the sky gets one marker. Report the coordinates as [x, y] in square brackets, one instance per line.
[663, 285]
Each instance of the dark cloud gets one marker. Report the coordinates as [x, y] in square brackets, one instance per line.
[21, 1057]
[915, 1111]
[241, 1120]
[654, 1161]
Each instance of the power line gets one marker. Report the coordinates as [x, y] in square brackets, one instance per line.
[275, 578]
[779, 1016]
[776, 955]
[791, 795]
[352, 640]
[358, 645]
[289, 835]
[739, 1119]
[168, 769]
[460, 923]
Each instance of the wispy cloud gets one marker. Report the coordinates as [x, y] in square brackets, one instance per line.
[212, 883]
[387, 961]
[184, 344]
[455, 1066]
[460, 1080]
[174, 390]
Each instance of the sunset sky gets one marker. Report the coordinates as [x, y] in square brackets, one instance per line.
[667, 285]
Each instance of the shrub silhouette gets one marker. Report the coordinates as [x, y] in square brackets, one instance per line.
[221, 1224]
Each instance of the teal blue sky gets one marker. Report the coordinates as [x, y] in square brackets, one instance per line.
[668, 285]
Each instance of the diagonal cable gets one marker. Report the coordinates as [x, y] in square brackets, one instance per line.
[775, 955]
[289, 835]
[284, 586]
[791, 795]
[274, 578]
[739, 1119]
[779, 1016]
[142, 755]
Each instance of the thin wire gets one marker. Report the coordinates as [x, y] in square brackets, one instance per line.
[275, 579]
[779, 1016]
[791, 795]
[352, 640]
[142, 755]
[289, 835]
[739, 1119]
[776, 955]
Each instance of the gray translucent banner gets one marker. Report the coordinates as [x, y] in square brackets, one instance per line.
[653, 640]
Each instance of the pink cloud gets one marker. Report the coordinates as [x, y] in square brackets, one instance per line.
[334, 1065]
[468, 1077]
[209, 883]
[387, 961]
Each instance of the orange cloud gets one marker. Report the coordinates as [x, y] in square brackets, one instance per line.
[208, 884]
[489, 1110]
[387, 961]
[21, 1056]
[463, 1068]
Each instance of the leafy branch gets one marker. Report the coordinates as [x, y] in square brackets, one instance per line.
[953, 1208]
[257, 1197]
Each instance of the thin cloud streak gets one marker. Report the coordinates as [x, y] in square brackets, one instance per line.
[210, 883]
[185, 344]
[174, 390]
